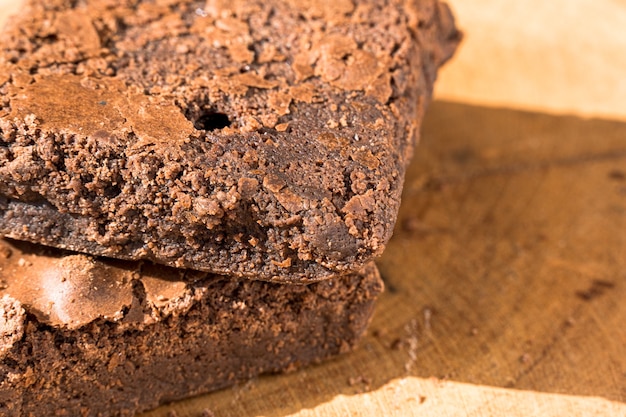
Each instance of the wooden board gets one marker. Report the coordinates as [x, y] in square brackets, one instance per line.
[506, 276]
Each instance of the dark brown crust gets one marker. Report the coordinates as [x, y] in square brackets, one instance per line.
[107, 111]
[221, 332]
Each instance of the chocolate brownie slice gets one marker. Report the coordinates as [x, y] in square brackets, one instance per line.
[88, 337]
[262, 139]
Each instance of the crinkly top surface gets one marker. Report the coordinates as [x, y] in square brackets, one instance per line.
[264, 139]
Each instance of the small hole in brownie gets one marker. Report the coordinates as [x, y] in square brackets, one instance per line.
[112, 190]
[212, 121]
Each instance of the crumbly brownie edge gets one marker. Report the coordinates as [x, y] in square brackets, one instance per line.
[232, 331]
[304, 197]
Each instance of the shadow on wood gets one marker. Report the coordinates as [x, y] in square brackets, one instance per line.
[507, 268]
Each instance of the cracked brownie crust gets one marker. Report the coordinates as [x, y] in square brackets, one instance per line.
[84, 336]
[260, 139]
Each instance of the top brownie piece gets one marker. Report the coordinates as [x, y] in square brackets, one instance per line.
[263, 139]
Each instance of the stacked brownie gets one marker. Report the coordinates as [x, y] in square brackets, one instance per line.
[211, 181]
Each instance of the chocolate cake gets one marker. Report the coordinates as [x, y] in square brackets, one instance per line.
[81, 336]
[250, 138]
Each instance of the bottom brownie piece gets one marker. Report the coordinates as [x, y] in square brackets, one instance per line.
[88, 337]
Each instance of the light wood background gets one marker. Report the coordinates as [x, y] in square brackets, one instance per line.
[506, 276]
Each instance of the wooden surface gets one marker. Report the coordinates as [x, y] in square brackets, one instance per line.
[506, 276]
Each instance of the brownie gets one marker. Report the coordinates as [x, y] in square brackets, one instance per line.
[259, 139]
[81, 336]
